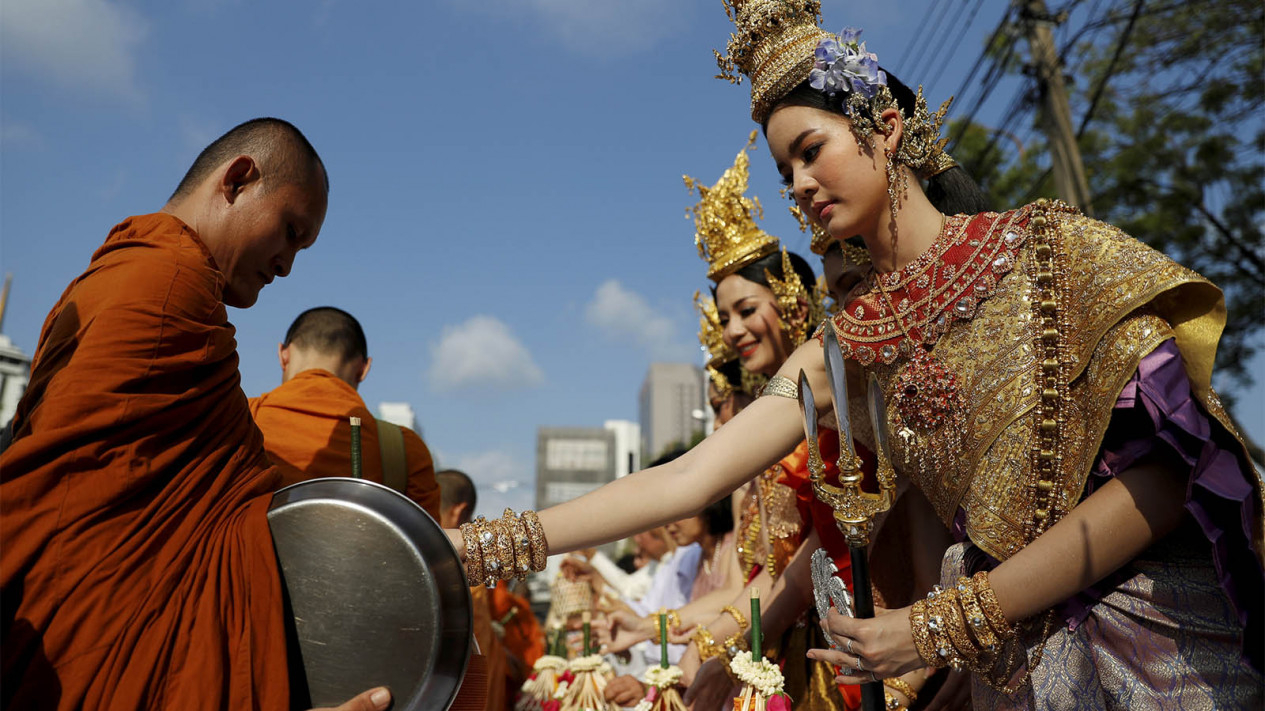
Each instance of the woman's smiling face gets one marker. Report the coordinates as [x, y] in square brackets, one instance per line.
[752, 324]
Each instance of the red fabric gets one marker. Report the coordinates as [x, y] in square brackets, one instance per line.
[137, 569]
[306, 426]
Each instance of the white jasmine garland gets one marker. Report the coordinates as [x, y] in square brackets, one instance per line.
[549, 661]
[663, 678]
[763, 675]
[593, 662]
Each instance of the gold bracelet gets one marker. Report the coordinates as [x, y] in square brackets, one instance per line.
[674, 620]
[539, 546]
[975, 616]
[988, 604]
[736, 642]
[918, 620]
[502, 567]
[706, 643]
[950, 609]
[891, 704]
[939, 636]
[518, 537]
[781, 386]
[474, 554]
[742, 621]
[898, 684]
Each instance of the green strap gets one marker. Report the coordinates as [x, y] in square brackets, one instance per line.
[391, 444]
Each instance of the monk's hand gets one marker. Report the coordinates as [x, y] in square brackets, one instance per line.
[870, 649]
[378, 699]
[625, 691]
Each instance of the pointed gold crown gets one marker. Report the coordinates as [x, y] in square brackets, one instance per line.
[773, 44]
[725, 229]
[710, 332]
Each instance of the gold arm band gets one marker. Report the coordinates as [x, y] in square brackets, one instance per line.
[898, 684]
[781, 387]
[742, 621]
[539, 546]
[474, 554]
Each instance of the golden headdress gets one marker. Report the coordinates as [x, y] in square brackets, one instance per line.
[778, 45]
[711, 337]
[789, 291]
[725, 230]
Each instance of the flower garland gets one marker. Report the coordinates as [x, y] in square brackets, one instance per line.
[540, 689]
[587, 691]
[762, 684]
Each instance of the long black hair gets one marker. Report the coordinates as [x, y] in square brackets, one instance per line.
[952, 191]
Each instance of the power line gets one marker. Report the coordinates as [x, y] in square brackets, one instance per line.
[939, 40]
[936, 23]
[957, 42]
[1111, 68]
[914, 38]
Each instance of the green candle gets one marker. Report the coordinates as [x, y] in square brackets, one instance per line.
[757, 641]
[588, 630]
[355, 447]
[663, 639]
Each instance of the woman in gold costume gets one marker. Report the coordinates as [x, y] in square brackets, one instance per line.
[1047, 388]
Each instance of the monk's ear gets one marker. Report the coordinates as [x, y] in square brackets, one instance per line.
[240, 172]
[283, 356]
[364, 371]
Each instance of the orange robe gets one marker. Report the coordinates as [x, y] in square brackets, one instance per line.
[523, 636]
[491, 648]
[137, 568]
[306, 426]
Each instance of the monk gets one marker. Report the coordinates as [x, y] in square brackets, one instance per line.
[306, 419]
[137, 568]
[458, 499]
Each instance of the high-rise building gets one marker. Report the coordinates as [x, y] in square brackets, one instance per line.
[15, 369]
[572, 461]
[673, 407]
[627, 446]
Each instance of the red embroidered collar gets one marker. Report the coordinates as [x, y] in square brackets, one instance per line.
[946, 283]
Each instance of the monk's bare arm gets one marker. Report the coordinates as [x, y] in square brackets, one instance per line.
[759, 436]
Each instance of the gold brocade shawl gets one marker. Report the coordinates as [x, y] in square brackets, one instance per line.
[1121, 299]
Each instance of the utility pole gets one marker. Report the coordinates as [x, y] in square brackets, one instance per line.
[1056, 114]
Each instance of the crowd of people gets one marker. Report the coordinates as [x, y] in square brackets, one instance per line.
[1074, 521]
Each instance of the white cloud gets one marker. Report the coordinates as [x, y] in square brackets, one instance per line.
[622, 314]
[83, 44]
[481, 353]
[602, 27]
[502, 479]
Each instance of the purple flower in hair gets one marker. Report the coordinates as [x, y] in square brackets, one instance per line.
[843, 64]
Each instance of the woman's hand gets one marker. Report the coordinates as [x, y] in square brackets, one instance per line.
[620, 630]
[689, 665]
[625, 691]
[372, 700]
[872, 649]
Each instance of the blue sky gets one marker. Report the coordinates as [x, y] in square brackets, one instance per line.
[507, 216]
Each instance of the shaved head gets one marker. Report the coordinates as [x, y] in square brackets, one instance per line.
[328, 331]
[283, 153]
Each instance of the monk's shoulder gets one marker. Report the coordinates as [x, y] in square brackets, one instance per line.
[154, 263]
[416, 449]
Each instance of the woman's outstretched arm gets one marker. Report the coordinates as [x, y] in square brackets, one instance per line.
[760, 435]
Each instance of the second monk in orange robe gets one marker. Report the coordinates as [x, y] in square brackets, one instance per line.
[306, 420]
